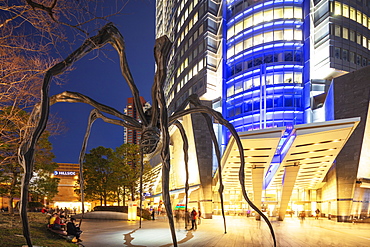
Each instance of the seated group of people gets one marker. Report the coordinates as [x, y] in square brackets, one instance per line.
[56, 223]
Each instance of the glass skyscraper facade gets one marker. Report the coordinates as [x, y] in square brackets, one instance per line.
[281, 55]
[264, 65]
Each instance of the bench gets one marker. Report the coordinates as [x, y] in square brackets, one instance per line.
[62, 233]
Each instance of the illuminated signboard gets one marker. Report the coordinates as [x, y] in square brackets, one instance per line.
[62, 173]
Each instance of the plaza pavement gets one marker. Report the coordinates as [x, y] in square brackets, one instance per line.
[241, 231]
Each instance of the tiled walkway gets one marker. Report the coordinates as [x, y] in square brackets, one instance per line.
[241, 231]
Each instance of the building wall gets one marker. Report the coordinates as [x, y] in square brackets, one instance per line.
[66, 197]
[351, 99]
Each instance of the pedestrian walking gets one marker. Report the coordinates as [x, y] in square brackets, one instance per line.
[317, 214]
[193, 216]
[199, 217]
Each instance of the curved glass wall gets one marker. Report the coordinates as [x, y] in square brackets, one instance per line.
[264, 64]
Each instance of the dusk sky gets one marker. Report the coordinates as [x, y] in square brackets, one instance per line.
[100, 78]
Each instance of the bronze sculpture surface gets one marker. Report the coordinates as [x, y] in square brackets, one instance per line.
[153, 125]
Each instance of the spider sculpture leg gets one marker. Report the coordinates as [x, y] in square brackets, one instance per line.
[199, 108]
[185, 148]
[161, 51]
[218, 154]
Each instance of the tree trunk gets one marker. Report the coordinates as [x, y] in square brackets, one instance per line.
[124, 196]
[132, 190]
[12, 192]
[118, 200]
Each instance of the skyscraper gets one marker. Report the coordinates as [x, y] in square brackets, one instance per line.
[275, 61]
[133, 136]
[282, 54]
[194, 65]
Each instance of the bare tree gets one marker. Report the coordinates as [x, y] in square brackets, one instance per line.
[33, 36]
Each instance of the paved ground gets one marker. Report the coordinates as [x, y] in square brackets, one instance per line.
[241, 231]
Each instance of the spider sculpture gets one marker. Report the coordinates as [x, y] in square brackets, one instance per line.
[153, 124]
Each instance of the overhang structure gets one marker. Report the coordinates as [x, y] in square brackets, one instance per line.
[284, 159]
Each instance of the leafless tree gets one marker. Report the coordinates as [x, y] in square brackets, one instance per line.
[33, 36]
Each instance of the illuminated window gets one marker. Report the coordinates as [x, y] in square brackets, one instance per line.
[297, 77]
[337, 8]
[345, 33]
[195, 70]
[364, 20]
[269, 15]
[248, 22]
[278, 78]
[200, 65]
[278, 35]
[230, 91]
[298, 12]
[337, 30]
[364, 41]
[359, 17]
[288, 34]
[288, 12]
[258, 39]
[238, 27]
[230, 52]
[248, 83]
[230, 32]
[258, 18]
[269, 79]
[288, 77]
[248, 43]
[278, 13]
[352, 13]
[269, 36]
[345, 10]
[256, 81]
[186, 14]
[238, 47]
[195, 18]
[238, 87]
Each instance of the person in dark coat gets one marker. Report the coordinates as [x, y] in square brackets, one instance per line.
[73, 229]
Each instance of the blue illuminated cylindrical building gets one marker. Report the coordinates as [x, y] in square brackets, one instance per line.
[264, 64]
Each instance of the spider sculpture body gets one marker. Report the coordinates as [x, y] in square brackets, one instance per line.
[153, 124]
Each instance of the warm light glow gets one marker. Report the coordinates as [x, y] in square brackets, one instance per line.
[132, 210]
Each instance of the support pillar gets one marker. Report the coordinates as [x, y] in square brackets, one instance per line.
[257, 182]
[289, 179]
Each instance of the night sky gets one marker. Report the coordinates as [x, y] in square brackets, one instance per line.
[99, 77]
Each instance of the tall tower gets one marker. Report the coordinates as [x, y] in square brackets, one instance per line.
[133, 136]
[264, 65]
[194, 67]
[280, 57]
